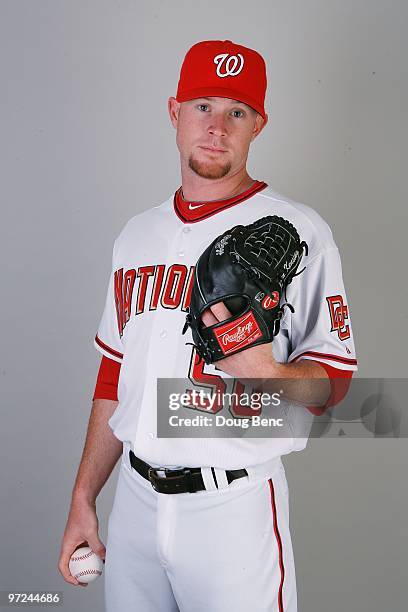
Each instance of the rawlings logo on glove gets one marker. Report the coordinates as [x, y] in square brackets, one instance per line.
[238, 333]
[248, 268]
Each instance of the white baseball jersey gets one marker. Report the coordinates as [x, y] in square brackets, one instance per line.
[147, 299]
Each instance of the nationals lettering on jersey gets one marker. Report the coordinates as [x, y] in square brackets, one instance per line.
[156, 286]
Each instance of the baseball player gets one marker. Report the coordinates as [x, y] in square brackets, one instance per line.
[202, 523]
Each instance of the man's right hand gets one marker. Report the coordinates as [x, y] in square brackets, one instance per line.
[81, 530]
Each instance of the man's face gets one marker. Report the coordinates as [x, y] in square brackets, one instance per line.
[214, 134]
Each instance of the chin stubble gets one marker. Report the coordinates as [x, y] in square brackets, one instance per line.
[207, 170]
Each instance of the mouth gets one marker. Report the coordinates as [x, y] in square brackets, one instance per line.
[213, 149]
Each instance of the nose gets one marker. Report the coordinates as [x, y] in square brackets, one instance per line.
[218, 125]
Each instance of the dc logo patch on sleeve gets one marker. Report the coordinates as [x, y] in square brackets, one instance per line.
[338, 315]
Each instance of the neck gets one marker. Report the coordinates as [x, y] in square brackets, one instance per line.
[198, 189]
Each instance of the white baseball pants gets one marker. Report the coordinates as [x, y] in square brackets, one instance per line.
[218, 550]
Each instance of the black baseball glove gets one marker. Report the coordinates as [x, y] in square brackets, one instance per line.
[248, 268]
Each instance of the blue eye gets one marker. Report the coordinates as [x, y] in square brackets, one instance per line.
[203, 107]
[238, 113]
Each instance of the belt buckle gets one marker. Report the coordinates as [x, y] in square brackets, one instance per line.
[154, 477]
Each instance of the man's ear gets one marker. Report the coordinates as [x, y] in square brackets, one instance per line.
[260, 123]
[174, 108]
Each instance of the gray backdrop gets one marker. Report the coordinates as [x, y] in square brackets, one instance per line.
[86, 143]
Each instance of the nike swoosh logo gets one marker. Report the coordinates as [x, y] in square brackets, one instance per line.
[193, 207]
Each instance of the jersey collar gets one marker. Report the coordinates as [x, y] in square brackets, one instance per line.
[191, 212]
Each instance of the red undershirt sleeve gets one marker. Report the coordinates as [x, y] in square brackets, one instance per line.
[339, 381]
[107, 381]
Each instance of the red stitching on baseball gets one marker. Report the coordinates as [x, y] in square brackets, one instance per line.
[89, 571]
[82, 556]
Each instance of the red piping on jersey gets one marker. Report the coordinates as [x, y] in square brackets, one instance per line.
[107, 348]
[181, 206]
[313, 354]
[279, 541]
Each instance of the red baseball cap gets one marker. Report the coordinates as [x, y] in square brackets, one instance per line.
[222, 68]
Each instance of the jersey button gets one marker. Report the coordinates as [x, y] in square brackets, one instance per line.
[151, 435]
[163, 333]
[186, 230]
[181, 253]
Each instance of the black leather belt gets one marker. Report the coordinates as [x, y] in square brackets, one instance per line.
[183, 480]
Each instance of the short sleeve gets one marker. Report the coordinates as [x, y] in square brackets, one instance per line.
[108, 340]
[320, 327]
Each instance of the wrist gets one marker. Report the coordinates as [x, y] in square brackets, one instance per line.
[81, 496]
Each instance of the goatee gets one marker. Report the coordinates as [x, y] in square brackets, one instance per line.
[209, 170]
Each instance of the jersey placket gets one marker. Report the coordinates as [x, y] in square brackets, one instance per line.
[166, 335]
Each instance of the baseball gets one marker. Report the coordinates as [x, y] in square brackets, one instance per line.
[85, 565]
